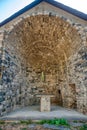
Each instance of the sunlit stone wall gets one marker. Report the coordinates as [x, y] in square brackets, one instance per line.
[43, 54]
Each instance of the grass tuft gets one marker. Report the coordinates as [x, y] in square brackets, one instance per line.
[2, 122]
[26, 122]
[55, 122]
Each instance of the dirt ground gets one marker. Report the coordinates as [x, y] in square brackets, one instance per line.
[17, 125]
[21, 127]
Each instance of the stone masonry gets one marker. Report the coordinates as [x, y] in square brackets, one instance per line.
[43, 52]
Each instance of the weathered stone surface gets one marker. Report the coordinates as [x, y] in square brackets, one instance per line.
[45, 103]
[46, 44]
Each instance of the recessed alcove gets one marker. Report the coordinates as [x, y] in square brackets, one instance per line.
[39, 48]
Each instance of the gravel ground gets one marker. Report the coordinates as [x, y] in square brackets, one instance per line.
[38, 127]
[22, 127]
[17, 126]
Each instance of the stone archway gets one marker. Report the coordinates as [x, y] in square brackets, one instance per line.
[41, 44]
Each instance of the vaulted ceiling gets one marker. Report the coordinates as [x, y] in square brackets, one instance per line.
[44, 41]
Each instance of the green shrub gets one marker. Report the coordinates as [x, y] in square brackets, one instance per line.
[63, 121]
[55, 122]
[84, 127]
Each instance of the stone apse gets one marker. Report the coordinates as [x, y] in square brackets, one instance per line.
[43, 54]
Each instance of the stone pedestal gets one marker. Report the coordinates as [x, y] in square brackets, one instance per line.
[45, 103]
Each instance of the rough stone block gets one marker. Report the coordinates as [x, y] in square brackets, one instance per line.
[45, 103]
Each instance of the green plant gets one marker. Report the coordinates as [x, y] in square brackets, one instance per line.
[63, 121]
[2, 122]
[84, 127]
[23, 129]
[0, 128]
[14, 123]
[41, 122]
[55, 122]
[26, 122]
[75, 121]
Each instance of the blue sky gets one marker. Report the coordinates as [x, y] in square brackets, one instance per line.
[9, 7]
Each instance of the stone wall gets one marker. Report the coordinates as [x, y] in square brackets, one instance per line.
[43, 54]
[12, 79]
[78, 70]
